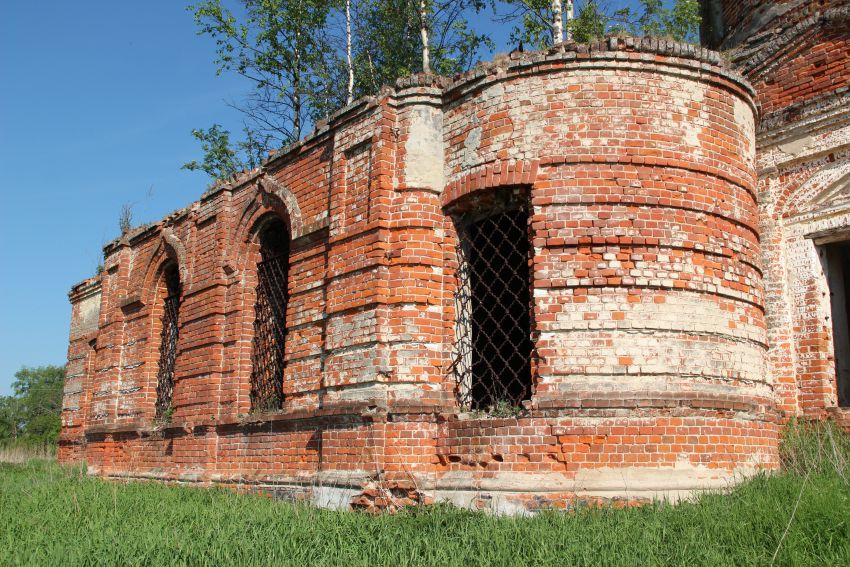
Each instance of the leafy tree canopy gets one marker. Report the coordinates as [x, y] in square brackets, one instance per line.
[221, 160]
[300, 54]
[31, 415]
[593, 19]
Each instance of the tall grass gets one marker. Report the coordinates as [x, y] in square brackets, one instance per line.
[53, 515]
[22, 453]
[815, 447]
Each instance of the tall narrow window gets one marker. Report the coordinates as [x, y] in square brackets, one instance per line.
[267, 359]
[493, 348]
[837, 268]
[168, 340]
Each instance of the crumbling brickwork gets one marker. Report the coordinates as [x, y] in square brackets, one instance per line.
[799, 63]
[675, 308]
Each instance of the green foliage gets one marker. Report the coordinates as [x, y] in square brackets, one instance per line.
[589, 24]
[681, 22]
[596, 18]
[535, 22]
[275, 44]
[31, 416]
[292, 53]
[455, 45]
[9, 422]
[167, 415]
[388, 46]
[52, 515]
[221, 160]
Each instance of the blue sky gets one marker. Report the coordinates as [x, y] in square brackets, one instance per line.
[97, 103]
[96, 107]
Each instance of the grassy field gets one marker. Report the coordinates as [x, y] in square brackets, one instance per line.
[53, 515]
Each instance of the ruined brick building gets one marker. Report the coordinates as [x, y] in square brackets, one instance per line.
[604, 271]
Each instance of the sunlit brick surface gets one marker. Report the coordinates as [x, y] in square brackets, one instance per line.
[667, 345]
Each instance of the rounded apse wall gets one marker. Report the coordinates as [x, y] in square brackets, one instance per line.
[648, 318]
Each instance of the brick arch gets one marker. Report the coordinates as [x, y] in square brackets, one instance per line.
[825, 183]
[246, 255]
[170, 247]
[270, 198]
[808, 193]
[270, 201]
[490, 176]
[275, 191]
[169, 250]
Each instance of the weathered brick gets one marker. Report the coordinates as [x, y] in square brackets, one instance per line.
[677, 307]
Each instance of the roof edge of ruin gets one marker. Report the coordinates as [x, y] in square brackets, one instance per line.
[84, 289]
[615, 48]
[612, 47]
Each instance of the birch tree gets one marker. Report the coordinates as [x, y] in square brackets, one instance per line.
[307, 58]
[540, 23]
[557, 22]
[349, 61]
[424, 20]
[275, 44]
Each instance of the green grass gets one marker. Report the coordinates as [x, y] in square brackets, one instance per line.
[53, 515]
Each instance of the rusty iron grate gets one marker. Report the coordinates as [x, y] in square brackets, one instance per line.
[167, 355]
[267, 360]
[493, 350]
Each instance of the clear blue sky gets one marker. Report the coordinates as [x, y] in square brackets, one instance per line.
[97, 103]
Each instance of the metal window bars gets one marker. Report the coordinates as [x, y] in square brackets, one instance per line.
[167, 353]
[267, 359]
[493, 348]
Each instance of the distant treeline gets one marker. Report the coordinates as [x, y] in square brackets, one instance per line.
[31, 415]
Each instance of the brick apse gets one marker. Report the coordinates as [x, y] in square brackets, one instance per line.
[606, 272]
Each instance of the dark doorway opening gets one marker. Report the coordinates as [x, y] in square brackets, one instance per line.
[836, 258]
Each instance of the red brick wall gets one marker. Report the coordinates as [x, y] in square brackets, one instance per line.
[648, 310]
[799, 64]
[743, 20]
[809, 70]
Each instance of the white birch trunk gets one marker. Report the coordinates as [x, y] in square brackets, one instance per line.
[423, 32]
[296, 90]
[557, 22]
[570, 10]
[348, 52]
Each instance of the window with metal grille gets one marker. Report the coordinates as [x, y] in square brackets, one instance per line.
[493, 349]
[267, 359]
[168, 341]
